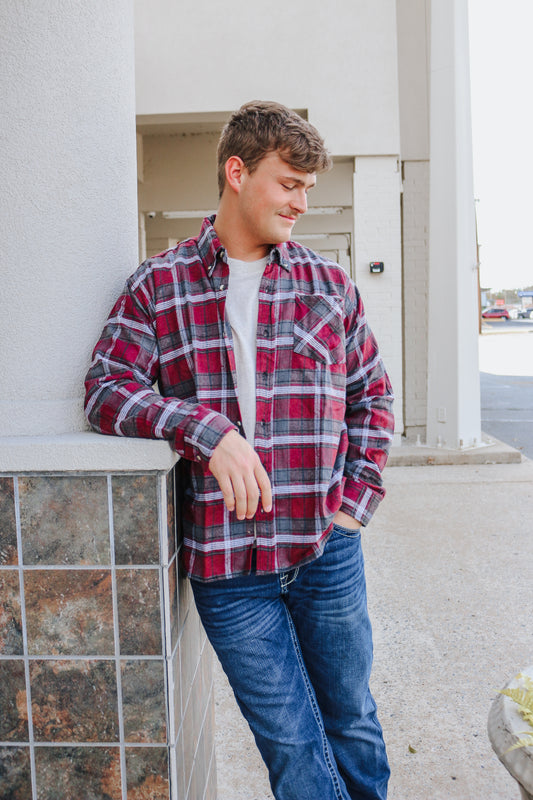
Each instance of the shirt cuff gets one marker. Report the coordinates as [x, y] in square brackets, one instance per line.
[360, 501]
[200, 434]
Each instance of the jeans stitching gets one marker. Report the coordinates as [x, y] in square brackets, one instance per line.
[314, 707]
[284, 579]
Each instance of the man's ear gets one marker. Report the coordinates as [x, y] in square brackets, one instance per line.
[234, 169]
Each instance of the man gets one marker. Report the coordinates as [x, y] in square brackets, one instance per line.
[273, 391]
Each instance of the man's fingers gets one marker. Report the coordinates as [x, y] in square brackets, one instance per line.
[241, 496]
[265, 488]
[241, 476]
[252, 495]
[226, 488]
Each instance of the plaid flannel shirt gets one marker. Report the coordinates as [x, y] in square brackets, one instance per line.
[324, 422]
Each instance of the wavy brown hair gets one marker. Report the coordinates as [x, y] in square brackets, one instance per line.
[262, 127]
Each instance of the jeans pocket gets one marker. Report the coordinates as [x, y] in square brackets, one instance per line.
[349, 533]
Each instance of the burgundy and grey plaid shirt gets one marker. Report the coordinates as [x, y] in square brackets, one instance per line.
[324, 422]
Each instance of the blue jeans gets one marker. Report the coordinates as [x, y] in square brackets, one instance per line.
[297, 650]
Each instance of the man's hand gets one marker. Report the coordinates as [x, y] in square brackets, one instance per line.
[345, 521]
[241, 476]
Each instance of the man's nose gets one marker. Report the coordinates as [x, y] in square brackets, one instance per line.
[299, 201]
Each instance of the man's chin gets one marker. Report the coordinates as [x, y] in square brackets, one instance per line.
[285, 233]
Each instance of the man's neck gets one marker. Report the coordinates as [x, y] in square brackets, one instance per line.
[238, 245]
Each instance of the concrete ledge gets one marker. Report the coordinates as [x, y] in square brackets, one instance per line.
[92, 452]
[491, 452]
[84, 452]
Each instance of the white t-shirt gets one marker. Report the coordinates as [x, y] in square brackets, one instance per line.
[242, 307]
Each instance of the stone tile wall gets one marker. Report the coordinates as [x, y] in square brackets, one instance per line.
[105, 670]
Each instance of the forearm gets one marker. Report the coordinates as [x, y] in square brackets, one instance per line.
[125, 408]
[120, 398]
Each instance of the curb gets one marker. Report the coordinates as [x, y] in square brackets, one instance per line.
[491, 452]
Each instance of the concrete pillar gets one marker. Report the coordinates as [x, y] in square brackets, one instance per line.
[415, 228]
[377, 225]
[68, 206]
[453, 376]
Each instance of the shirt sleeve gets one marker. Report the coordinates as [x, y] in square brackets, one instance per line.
[120, 398]
[369, 419]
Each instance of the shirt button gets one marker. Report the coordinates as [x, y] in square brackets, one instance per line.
[198, 458]
[221, 286]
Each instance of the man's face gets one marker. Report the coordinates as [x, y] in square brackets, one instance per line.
[271, 199]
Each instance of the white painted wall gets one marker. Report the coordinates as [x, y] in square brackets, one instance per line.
[337, 60]
[68, 206]
[413, 72]
[179, 172]
[415, 243]
[442, 402]
[413, 22]
[378, 238]
[453, 375]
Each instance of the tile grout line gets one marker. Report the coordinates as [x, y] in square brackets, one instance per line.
[66, 743]
[92, 657]
[116, 635]
[18, 523]
[166, 632]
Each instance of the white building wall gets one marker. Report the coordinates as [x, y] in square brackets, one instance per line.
[67, 210]
[413, 24]
[362, 73]
[454, 416]
[415, 232]
[413, 21]
[336, 64]
[377, 183]
[338, 61]
[440, 350]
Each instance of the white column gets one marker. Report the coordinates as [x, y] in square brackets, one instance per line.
[415, 215]
[453, 375]
[68, 224]
[377, 226]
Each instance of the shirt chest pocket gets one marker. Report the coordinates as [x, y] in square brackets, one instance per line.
[319, 328]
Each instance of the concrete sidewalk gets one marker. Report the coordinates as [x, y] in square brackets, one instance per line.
[449, 559]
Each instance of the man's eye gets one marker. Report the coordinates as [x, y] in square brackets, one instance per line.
[285, 186]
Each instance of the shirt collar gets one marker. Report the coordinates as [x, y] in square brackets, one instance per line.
[210, 248]
[280, 253]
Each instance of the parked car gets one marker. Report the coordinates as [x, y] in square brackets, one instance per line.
[496, 312]
[526, 313]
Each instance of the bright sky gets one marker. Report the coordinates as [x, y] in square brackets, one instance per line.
[501, 67]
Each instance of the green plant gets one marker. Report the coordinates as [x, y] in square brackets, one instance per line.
[523, 696]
